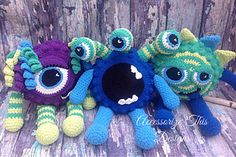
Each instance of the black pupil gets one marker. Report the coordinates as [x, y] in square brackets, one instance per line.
[117, 42]
[204, 76]
[174, 74]
[51, 77]
[119, 82]
[173, 39]
[79, 51]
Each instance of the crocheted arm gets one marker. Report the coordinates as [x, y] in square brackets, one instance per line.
[229, 78]
[170, 99]
[78, 94]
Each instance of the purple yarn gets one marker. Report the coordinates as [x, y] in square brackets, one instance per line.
[51, 53]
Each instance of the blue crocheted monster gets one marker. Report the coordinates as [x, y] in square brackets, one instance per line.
[192, 69]
[122, 83]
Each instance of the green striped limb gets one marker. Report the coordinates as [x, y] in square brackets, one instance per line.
[14, 120]
[47, 131]
[101, 50]
[148, 52]
[89, 102]
[73, 125]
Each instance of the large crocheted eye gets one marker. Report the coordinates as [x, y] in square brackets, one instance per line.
[168, 42]
[174, 75]
[51, 80]
[202, 78]
[120, 40]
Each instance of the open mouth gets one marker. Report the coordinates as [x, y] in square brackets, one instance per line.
[198, 90]
[123, 83]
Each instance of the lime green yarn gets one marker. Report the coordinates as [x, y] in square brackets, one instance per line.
[101, 50]
[192, 56]
[14, 120]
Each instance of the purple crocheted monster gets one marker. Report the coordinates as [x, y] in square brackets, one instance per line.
[43, 75]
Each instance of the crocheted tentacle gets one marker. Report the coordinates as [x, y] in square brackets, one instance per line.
[166, 43]
[121, 40]
[78, 94]
[145, 135]
[89, 102]
[170, 99]
[101, 50]
[210, 125]
[97, 133]
[47, 131]
[11, 61]
[14, 120]
[82, 49]
[73, 125]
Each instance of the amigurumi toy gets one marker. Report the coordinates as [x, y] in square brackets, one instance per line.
[43, 75]
[122, 83]
[192, 71]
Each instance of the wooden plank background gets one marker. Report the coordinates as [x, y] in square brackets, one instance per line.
[40, 20]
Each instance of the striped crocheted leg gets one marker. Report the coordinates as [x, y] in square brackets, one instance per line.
[47, 131]
[73, 125]
[14, 120]
[89, 102]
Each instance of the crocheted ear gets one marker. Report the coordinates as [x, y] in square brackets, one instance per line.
[187, 35]
[225, 56]
[211, 41]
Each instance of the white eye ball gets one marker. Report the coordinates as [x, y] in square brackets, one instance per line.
[51, 80]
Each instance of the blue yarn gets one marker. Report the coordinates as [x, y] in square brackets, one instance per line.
[28, 75]
[78, 94]
[211, 41]
[25, 43]
[170, 99]
[229, 77]
[115, 57]
[199, 108]
[26, 67]
[30, 84]
[163, 116]
[145, 135]
[97, 133]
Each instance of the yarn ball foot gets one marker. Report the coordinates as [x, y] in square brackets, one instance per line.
[146, 138]
[13, 125]
[73, 125]
[96, 134]
[89, 103]
[165, 119]
[47, 133]
[212, 127]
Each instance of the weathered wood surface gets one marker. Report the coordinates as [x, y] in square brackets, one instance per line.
[183, 140]
[40, 20]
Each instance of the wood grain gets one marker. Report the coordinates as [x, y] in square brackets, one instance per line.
[40, 20]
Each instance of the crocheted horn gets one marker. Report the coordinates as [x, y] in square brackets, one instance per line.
[225, 56]
[187, 35]
[211, 41]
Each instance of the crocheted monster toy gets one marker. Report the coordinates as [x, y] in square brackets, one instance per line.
[43, 75]
[192, 71]
[122, 84]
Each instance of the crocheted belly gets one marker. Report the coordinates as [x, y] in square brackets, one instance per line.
[122, 82]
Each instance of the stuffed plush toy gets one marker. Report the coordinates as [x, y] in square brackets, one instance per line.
[122, 84]
[192, 68]
[43, 75]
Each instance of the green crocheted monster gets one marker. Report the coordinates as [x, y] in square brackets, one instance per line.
[192, 68]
